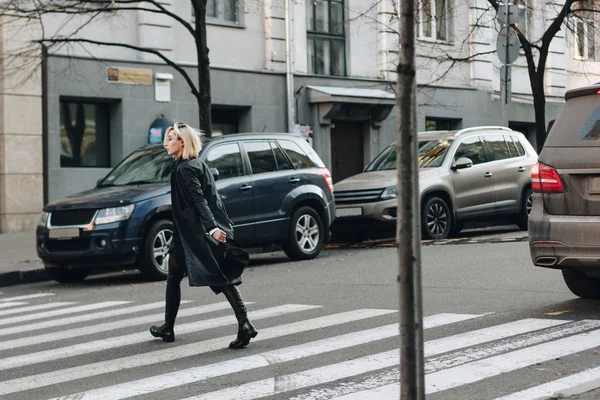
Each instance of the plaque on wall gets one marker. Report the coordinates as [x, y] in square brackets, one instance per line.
[135, 76]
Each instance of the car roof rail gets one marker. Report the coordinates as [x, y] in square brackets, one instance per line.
[482, 128]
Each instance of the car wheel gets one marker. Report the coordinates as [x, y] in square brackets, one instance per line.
[67, 275]
[526, 205]
[155, 258]
[307, 235]
[582, 285]
[436, 220]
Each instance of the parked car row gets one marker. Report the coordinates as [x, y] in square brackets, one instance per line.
[275, 187]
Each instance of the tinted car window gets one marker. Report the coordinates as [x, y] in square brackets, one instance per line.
[520, 148]
[512, 146]
[227, 159]
[497, 147]
[299, 159]
[282, 161]
[145, 166]
[471, 148]
[433, 152]
[578, 124]
[261, 157]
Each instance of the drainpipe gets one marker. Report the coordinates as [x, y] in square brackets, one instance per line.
[289, 76]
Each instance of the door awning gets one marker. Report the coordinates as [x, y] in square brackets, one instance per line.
[333, 94]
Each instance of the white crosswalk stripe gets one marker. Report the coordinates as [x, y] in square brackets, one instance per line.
[47, 306]
[15, 303]
[26, 297]
[63, 311]
[359, 361]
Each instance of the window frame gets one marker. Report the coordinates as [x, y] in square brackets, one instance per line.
[585, 23]
[486, 156]
[108, 113]
[219, 19]
[434, 31]
[329, 37]
[246, 143]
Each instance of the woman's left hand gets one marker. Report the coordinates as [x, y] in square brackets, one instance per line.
[219, 236]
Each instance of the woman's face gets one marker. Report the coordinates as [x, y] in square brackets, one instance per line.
[174, 144]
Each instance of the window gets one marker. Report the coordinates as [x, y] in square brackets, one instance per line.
[441, 124]
[585, 40]
[282, 161]
[141, 167]
[326, 40]
[299, 159]
[433, 19]
[471, 148]
[84, 134]
[222, 11]
[261, 157]
[497, 147]
[227, 159]
[520, 149]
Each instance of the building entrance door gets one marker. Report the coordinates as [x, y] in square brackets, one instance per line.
[346, 149]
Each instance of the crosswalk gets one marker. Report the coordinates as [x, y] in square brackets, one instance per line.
[101, 350]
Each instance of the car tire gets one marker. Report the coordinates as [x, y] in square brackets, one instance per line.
[581, 285]
[67, 275]
[154, 259]
[436, 219]
[307, 236]
[526, 204]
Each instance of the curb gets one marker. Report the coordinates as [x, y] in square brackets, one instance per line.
[392, 242]
[27, 276]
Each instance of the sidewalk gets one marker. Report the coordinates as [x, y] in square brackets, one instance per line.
[19, 262]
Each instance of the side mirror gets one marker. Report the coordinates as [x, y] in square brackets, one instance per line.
[215, 173]
[462, 163]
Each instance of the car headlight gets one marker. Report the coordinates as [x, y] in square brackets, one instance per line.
[44, 218]
[114, 214]
[389, 193]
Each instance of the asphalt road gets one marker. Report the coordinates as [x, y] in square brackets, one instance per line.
[495, 325]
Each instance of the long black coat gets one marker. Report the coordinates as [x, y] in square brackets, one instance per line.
[197, 209]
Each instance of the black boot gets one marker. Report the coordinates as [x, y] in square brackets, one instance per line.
[173, 298]
[246, 330]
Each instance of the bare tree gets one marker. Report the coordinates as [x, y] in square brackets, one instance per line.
[77, 14]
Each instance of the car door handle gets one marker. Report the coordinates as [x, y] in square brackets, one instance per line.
[488, 174]
[521, 169]
[245, 188]
[294, 180]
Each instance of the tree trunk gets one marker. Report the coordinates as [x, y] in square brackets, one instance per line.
[408, 234]
[539, 106]
[204, 97]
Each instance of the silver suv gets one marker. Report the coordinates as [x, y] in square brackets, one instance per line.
[473, 173]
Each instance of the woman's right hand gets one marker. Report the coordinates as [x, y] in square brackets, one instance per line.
[220, 236]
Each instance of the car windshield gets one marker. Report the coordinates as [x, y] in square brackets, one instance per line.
[146, 166]
[431, 155]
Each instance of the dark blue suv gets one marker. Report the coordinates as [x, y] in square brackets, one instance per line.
[275, 187]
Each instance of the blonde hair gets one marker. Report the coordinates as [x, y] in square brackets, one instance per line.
[192, 139]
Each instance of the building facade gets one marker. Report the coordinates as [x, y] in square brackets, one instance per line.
[329, 72]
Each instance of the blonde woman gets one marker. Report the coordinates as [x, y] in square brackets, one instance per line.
[202, 229]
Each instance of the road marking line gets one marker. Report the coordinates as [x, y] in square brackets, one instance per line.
[7, 305]
[26, 297]
[78, 319]
[62, 311]
[120, 341]
[38, 307]
[187, 350]
[553, 388]
[105, 327]
[367, 364]
[178, 378]
[386, 383]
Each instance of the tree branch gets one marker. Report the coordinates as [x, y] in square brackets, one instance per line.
[128, 46]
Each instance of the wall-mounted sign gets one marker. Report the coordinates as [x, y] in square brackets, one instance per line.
[136, 76]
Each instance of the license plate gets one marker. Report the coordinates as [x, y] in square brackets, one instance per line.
[349, 212]
[67, 233]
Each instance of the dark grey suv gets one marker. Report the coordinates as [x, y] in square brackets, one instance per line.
[275, 187]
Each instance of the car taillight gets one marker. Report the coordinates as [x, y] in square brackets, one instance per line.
[327, 177]
[545, 179]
